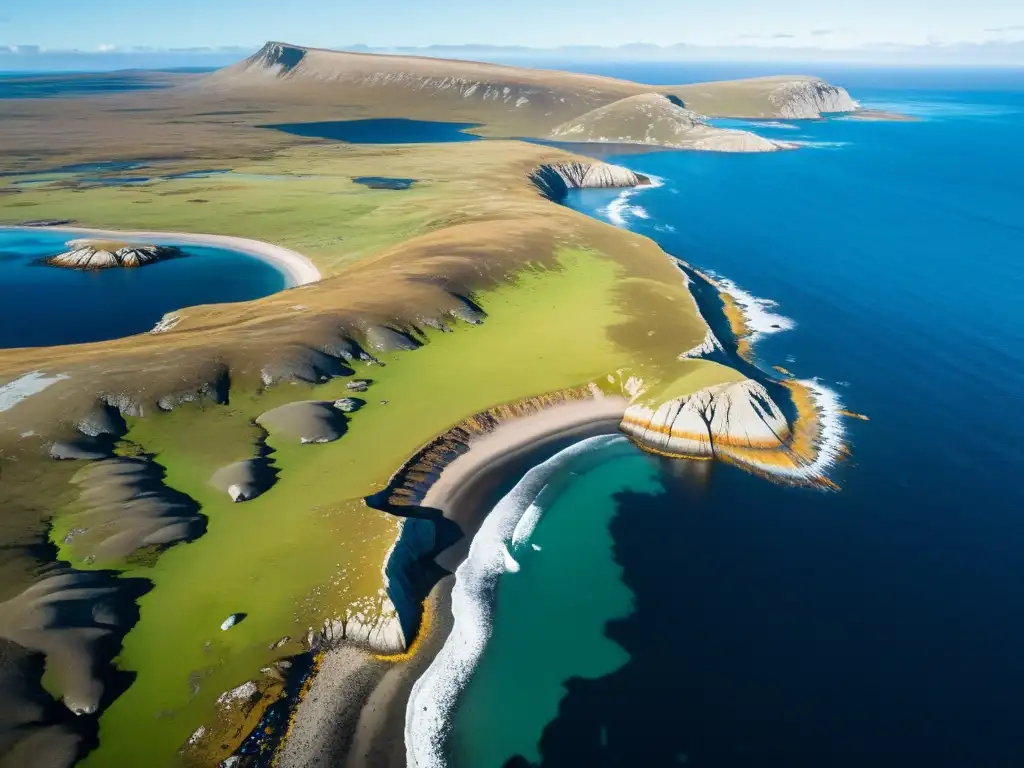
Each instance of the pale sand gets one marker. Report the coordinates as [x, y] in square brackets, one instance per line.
[472, 484]
[354, 712]
[297, 268]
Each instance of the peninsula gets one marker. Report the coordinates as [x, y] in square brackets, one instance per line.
[477, 319]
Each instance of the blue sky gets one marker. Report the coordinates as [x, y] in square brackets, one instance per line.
[91, 25]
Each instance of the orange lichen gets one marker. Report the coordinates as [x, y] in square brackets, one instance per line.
[426, 622]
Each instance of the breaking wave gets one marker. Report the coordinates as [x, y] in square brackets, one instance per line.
[621, 209]
[492, 552]
[759, 313]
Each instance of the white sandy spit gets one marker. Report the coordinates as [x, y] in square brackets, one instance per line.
[297, 268]
[13, 392]
[492, 553]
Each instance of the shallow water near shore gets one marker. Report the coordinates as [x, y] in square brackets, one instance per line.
[792, 627]
[47, 305]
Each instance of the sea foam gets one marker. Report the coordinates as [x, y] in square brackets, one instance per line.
[759, 313]
[621, 209]
[492, 553]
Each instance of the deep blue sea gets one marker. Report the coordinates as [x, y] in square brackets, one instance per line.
[881, 625]
[44, 305]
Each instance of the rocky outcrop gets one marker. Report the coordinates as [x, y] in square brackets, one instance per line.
[76, 619]
[384, 338]
[244, 480]
[709, 422]
[123, 507]
[93, 437]
[95, 254]
[309, 421]
[375, 626]
[555, 180]
[657, 120]
[810, 98]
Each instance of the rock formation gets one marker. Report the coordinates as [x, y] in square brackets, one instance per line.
[657, 120]
[384, 338]
[308, 421]
[709, 422]
[810, 98]
[375, 626]
[124, 506]
[97, 254]
[556, 180]
[77, 619]
[244, 480]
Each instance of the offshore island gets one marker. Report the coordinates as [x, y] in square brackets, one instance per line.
[234, 532]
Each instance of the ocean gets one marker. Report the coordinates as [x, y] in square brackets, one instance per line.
[677, 613]
[47, 305]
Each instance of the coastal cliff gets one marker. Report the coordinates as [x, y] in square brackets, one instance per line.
[705, 423]
[812, 98]
[556, 179]
[96, 254]
[657, 120]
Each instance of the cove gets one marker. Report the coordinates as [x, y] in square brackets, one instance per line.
[46, 306]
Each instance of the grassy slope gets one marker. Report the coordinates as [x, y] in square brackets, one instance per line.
[569, 301]
[309, 548]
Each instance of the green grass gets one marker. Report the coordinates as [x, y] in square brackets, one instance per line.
[309, 547]
[326, 217]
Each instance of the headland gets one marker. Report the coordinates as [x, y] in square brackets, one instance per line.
[467, 303]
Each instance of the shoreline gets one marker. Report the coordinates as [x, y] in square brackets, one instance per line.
[297, 269]
[354, 712]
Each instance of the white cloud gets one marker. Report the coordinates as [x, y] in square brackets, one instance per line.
[106, 48]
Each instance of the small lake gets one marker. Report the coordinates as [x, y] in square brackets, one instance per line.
[43, 305]
[383, 182]
[382, 131]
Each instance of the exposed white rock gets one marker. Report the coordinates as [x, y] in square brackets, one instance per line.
[597, 175]
[94, 254]
[166, 322]
[738, 414]
[810, 98]
[244, 692]
[378, 628]
[556, 179]
[243, 480]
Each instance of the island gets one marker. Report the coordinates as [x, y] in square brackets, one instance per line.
[104, 254]
[479, 319]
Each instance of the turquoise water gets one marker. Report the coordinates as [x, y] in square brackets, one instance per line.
[553, 614]
[45, 305]
[783, 627]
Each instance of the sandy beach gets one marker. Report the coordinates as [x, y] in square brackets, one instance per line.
[297, 268]
[354, 711]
